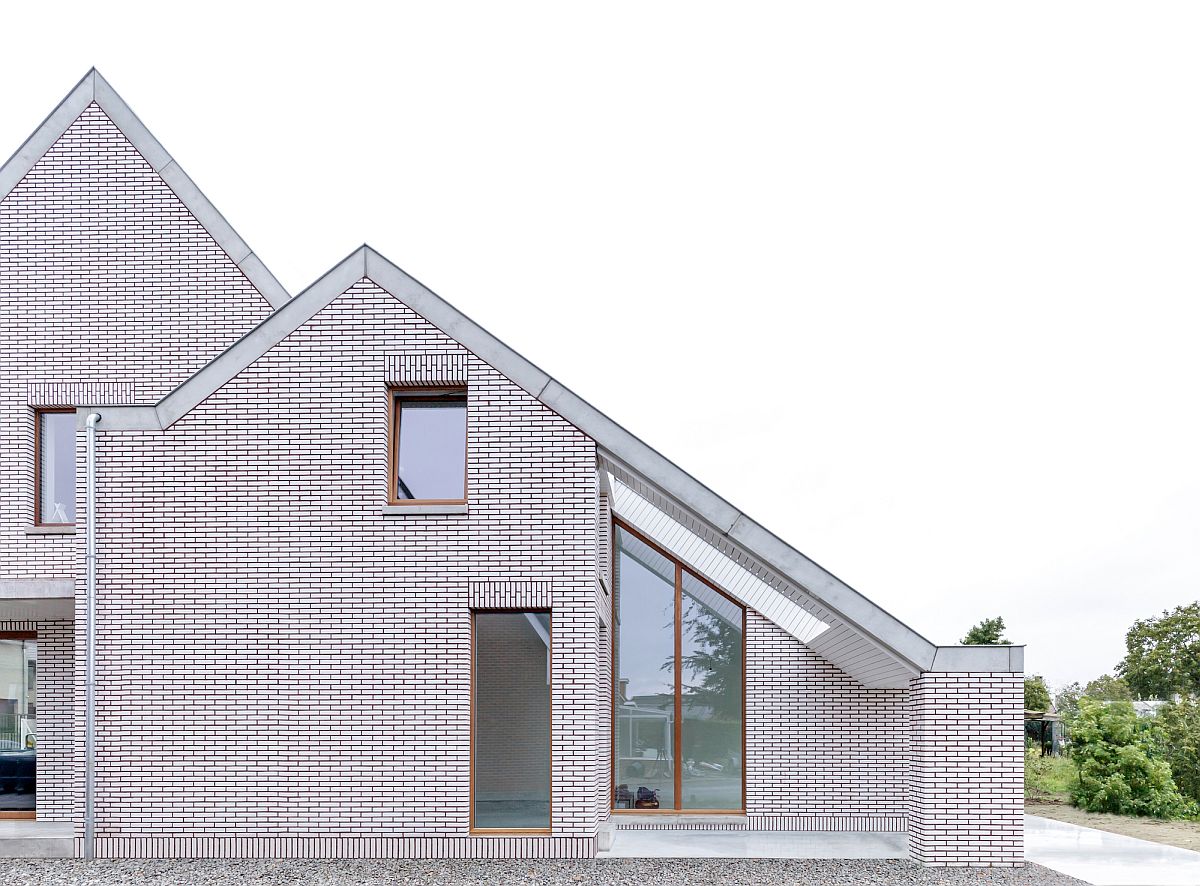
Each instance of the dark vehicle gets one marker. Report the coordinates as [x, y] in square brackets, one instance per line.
[17, 768]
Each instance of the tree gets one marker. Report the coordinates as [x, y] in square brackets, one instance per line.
[1066, 701]
[1037, 695]
[1163, 654]
[1120, 765]
[989, 632]
[1108, 688]
[1180, 722]
[712, 670]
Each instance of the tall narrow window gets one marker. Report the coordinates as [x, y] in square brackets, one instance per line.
[429, 446]
[510, 721]
[678, 653]
[54, 458]
[18, 725]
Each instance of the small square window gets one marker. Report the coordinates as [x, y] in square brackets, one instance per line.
[428, 446]
[54, 467]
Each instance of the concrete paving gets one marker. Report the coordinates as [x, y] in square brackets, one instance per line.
[755, 844]
[36, 839]
[1107, 859]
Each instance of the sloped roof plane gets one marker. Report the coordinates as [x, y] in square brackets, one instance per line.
[856, 635]
[862, 639]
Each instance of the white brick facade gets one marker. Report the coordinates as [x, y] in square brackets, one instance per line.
[284, 661]
[966, 794]
[818, 744]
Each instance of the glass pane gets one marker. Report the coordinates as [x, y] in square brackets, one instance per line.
[511, 753]
[432, 459]
[18, 726]
[712, 698]
[56, 467]
[645, 667]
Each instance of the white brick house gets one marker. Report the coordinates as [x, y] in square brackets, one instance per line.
[369, 583]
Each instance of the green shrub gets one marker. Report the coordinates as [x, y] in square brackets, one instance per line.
[1120, 765]
[1180, 722]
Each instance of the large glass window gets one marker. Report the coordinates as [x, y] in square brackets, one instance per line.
[429, 446]
[55, 459]
[677, 662]
[18, 725]
[510, 748]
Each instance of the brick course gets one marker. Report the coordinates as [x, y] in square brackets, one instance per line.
[965, 797]
[818, 743]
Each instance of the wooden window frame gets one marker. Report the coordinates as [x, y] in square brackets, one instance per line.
[677, 739]
[508, 832]
[38, 412]
[23, 815]
[395, 395]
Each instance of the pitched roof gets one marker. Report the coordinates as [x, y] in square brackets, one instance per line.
[861, 638]
[94, 88]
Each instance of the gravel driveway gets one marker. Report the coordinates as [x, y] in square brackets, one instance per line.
[602, 872]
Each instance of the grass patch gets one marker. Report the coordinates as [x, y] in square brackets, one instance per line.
[1048, 779]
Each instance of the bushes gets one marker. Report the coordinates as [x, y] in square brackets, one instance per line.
[1181, 743]
[1120, 763]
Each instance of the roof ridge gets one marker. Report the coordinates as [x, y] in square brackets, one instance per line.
[93, 88]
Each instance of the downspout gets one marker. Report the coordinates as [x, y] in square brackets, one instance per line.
[89, 654]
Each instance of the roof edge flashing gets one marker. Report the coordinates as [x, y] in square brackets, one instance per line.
[273, 329]
[978, 659]
[94, 88]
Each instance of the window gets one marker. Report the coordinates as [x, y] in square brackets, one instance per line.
[510, 721]
[678, 659]
[429, 446]
[18, 724]
[54, 460]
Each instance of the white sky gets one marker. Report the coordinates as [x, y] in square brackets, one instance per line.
[913, 284]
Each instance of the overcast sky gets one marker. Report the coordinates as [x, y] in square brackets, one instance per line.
[913, 284]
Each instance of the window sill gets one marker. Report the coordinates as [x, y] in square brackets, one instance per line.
[417, 510]
[68, 529]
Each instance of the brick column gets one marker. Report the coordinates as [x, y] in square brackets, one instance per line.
[966, 773]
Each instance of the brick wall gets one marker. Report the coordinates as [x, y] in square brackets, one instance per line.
[287, 669]
[965, 798]
[822, 751]
[109, 287]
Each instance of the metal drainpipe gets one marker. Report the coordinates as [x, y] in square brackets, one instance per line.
[89, 737]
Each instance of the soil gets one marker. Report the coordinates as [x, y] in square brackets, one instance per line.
[1184, 834]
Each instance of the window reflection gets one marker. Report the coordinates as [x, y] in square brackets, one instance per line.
[645, 668]
[707, 695]
[18, 726]
[712, 698]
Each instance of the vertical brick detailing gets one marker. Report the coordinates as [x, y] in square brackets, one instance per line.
[510, 594]
[439, 368]
[65, 393]
[817, 741]
[965, 804]
[342, 847]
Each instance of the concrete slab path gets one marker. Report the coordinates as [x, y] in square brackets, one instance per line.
[36, 839]
[755, 844]
[1107, 859]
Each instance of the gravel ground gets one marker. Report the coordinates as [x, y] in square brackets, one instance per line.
[603, 872]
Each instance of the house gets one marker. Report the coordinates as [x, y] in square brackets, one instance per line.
[339, 573]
